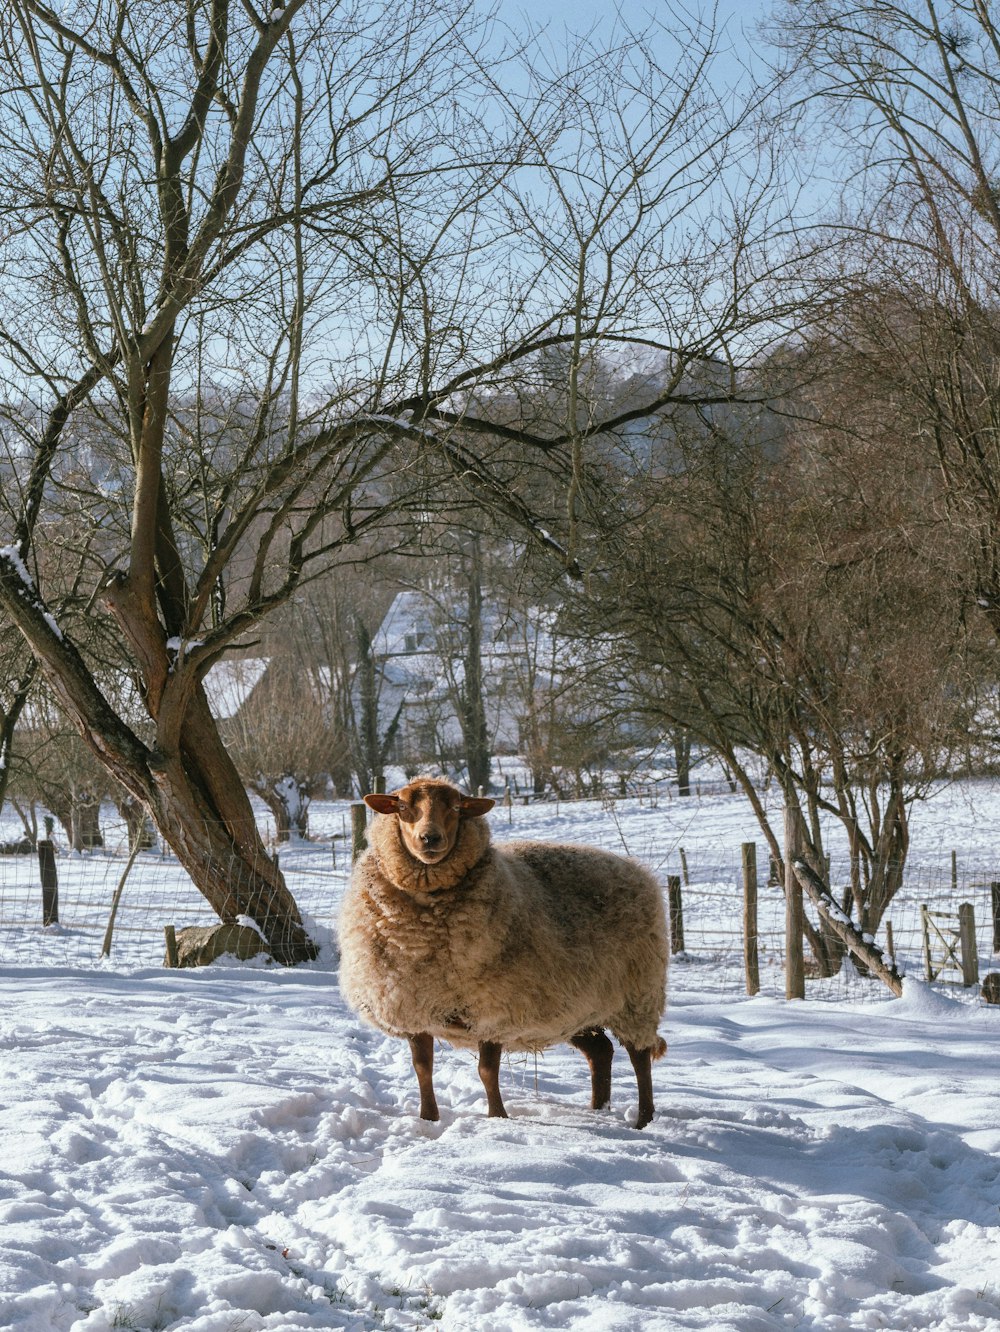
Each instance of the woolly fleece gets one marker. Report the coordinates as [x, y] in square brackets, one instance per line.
[524, 944]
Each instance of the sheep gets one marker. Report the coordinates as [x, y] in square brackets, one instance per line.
[517, 946]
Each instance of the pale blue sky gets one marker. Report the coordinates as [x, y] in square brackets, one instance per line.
[583, 14]
[737, 17]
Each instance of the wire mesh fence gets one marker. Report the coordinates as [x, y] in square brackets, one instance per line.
[156, 892]
[714, 935]
[153, 891]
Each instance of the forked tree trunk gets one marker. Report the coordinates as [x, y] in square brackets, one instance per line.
[237, 877]
[78, 812]
[203, 813]
[187, 780]
[86, 821]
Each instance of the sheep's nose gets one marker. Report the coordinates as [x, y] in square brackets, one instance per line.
[431, 839]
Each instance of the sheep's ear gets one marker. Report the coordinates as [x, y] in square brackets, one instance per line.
[382, 804]
[473, 807]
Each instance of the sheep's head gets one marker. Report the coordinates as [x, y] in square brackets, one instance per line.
[429, 813]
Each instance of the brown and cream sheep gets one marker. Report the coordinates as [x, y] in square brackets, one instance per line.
[516, 947]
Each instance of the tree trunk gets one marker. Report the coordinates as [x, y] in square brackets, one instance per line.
[9, 719]
[472, 705]
[186, 780]
[141, 835]
[682, 761]
[827, 949]
[339, 764]
[867, 953]
[231, 867]
[288, 801]
[78, 812]
[367, 749]
[86, 821]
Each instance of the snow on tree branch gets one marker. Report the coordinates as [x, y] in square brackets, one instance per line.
[862, 946]
[28, 592]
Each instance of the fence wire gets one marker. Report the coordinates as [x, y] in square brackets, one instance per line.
[157, 892]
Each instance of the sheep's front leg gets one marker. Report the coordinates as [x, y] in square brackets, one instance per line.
[422, 1054]
[489, 1071]
[642, 1062]
[599, 1053]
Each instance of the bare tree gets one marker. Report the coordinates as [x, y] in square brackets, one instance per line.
[19, 671]
[51, 767]
[321, 628]
[798, 616]
[278, 262]
[277, 734]
[905, 97]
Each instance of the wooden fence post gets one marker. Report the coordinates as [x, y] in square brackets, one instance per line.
[50, 882]
[995, 894]
[359, 840]
[925, 930]
[967, 939]
[795, 971]
[751, 965]
[676, 913]
[684, 867]
[170, 938]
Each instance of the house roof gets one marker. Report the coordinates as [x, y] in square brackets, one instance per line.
[230, 683]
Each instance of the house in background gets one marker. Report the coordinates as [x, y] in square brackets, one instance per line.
[421, 656]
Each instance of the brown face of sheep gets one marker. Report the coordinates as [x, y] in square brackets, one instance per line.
[429, 816]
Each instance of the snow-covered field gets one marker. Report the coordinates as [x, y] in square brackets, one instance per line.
[231, 1149]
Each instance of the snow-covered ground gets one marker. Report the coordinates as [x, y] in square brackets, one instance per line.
[231, 1149]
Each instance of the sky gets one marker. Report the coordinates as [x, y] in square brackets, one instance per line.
[578, 15]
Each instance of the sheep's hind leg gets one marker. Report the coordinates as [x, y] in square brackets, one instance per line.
[422, 1054]
[489, 1071]
[642, 1062]
[599, 1053]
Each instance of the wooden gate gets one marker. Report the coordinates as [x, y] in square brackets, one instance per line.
[950, 945]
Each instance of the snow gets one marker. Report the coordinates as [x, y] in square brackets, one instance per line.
[12, 555]
[294, 798]
[230, 683]
[231, 1149]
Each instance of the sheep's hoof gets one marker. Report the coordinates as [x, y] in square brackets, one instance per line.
[643, 1118]
[497, 1113]
[429, 1112]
